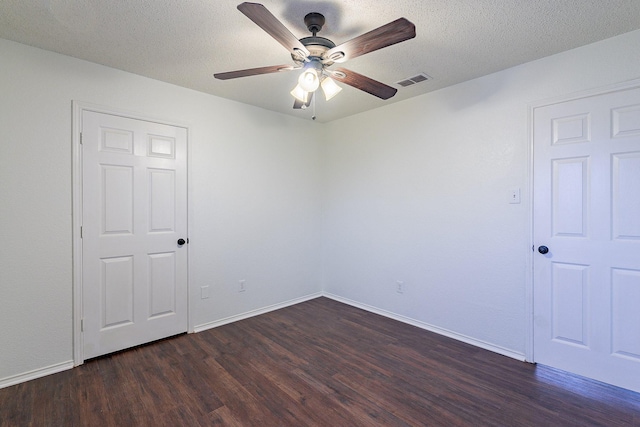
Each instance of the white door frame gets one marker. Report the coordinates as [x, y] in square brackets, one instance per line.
[630, 84]
[78, 108]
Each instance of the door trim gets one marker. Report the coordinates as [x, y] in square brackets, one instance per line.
[529, 286]
[78, 107]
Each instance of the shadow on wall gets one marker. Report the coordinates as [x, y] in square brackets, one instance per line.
[475, 92]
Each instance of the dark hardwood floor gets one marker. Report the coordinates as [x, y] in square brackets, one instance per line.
[319, 363]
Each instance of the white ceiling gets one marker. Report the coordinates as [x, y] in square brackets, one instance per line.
[185, 42]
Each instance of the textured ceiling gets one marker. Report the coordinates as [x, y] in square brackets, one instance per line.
[185, 42]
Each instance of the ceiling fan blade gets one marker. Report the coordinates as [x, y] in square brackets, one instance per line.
[253, 72]
[299, 105]
[387, 35]
[265, 20]
[363, 83]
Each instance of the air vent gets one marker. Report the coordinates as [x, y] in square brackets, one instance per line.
[422, 77]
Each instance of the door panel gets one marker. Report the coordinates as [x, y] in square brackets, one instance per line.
[570, 309]
[587, 211]
[116, 292]
[117, 204]
[134, 274]
[625, 296]
[163, 286]
[570, 189]
[162, 206]
[626, 196]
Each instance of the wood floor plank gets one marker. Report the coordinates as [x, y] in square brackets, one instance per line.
[318, 363]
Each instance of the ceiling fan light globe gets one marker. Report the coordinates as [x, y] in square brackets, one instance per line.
[300, 94]
[330, 88]
[309, 80]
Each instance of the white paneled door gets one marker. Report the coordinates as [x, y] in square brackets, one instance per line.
[587, 215]
[134, 211]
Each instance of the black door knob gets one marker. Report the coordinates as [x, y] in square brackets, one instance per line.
[181, 242]
[543, 249]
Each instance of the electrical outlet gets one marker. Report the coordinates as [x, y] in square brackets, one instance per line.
[204, 292]
[242, 287]
[399, 286]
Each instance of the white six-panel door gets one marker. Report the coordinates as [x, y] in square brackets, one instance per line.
[587, 212]
[134, 210]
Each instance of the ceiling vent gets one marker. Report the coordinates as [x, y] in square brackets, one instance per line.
[422, 77]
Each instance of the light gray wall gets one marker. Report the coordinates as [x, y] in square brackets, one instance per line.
[255, 213]
[418, 192]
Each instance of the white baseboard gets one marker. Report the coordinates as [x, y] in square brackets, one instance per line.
[59, 367]
[36, 373]
[252, 313]
[450, 334]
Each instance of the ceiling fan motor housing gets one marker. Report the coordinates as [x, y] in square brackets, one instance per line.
[316, 46]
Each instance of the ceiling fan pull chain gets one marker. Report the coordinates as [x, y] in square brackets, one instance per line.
[314, 108]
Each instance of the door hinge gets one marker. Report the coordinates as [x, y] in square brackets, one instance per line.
[81, 325]
[81, 232]
[80, 137]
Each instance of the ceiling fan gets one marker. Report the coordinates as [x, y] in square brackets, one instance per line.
[316, 55]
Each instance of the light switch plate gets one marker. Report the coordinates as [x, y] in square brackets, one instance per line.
[514, 196]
